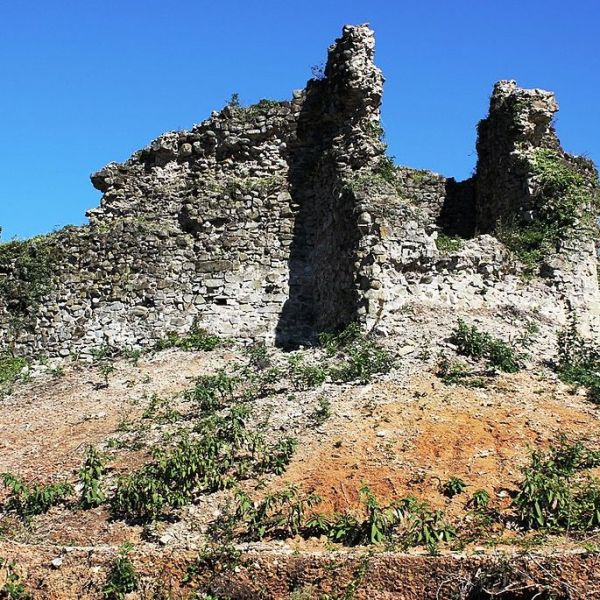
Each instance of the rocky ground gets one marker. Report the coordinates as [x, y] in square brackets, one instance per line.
[405, 432]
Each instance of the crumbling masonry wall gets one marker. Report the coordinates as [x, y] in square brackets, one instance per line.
[284, 219]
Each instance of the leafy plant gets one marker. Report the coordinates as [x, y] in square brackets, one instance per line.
[447, 244]
[122, 578]
[281, 513]
[106, 370]
[90, 476]
[305, 376]
[365, 359]
[26, 272]
[28, 501]
[213, 558]
[196, 339]
[422, 526]
[278, 457]
[579, 360]
[12, 588]
[11, 368]
[453, 487]
[472, 342]
[554, 494]
[211, 392]
[479, 500]
[222, 451]
[566, 188]
[321, 413]
[336, 341]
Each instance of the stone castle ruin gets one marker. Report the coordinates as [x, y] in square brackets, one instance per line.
[283, 219]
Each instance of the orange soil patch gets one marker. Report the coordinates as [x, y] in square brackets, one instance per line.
[427, 432]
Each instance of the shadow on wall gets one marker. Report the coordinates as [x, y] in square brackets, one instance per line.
[322, 292]
[457, 216]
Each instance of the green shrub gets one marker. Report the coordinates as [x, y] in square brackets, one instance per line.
[479, 500]
[479, 344]
[196, 339]
[26, 271]
[349, 356]
[222, 451]
[458, 373]
[579, 360]
[365, 359]
[321, 413]
[453, 487]
[122, 578]
[555, 494]
[287, 513]
[212, 392]
[28, 501]
[213, 559]
[447, 244]
[565, 201]
[90, 476]
[12, 588]
[10, 370]
[306, 376]
[336, 341]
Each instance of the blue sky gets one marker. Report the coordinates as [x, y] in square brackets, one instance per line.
[84, 82]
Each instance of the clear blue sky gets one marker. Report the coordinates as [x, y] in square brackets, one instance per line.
[84, 82]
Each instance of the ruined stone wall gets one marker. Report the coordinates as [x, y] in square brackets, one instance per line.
[284, 219]
[241, 225]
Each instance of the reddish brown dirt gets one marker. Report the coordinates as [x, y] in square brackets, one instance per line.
[425, 433]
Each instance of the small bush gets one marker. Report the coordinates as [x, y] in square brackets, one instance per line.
[579, 360]
[10, 370]
[453, 487]
[555, 494]
[196, 339]
[565, 193]
[212, 392]
[321, 413]
[365, 359]
[214, 559]
[222, 451]
[334, 342]
[287, 513]
[306, 376]
[479, 500]
[458, 373]
[90, 476]
[479, 344]
[122, 578]
[12, 588]
[28, 501]
[447, 244]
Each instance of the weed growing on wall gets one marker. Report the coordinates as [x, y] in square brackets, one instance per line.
[567, 200]
[26, 272]
[579, 360]
[11, 368]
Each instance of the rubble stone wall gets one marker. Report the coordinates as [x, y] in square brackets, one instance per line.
[283, 219]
